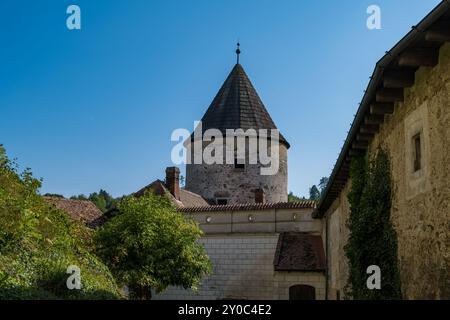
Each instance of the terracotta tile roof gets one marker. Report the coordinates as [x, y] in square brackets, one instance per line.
[251, 206]
[191, 199]
[84, 211]
[187, 198]
[297, 251]
[238, 106]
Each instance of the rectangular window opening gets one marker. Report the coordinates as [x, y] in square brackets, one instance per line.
[239, 163]
[417, 152]
[222, 201]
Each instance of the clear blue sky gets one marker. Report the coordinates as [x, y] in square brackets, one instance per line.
[95, 108]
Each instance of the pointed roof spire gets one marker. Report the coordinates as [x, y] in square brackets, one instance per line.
[238, 106]
[238, 51]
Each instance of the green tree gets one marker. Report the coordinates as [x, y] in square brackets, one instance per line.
[293, 198]
[323, 184]
[102, 200]
[372, 239]
[314, 193]
[151, 245]
[79, 197]
[38, 242]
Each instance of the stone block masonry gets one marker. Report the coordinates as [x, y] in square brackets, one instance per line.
[243, 269]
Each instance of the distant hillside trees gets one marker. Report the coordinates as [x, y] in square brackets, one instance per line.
[103, 200]
[315, 192]
[294, 198]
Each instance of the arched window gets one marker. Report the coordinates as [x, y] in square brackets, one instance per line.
[302, 292]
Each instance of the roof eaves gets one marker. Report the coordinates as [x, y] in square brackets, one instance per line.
[411, 36]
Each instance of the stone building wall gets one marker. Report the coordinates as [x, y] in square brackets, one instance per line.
[335, 235]
[243, 269]
[421, 199]
[242, 254]
[238, 185]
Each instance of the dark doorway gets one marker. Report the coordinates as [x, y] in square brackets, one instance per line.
[302, 292]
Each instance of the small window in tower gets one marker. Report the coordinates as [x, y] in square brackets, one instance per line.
[239, 163]
[417, 153]
[222, 201]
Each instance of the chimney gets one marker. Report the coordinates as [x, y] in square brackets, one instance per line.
[173, 181]
[260, 196]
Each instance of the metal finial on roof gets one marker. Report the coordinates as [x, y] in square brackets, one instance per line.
[238, 51]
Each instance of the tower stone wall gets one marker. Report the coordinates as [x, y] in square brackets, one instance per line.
[238, 185]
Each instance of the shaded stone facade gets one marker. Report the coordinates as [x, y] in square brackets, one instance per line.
[421, 198]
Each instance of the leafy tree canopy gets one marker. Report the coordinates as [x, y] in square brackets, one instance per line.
[151, 245]
[38, 242]
[293, 198]
[103, 200]
[314, 193]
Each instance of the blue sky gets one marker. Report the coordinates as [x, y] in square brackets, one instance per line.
[94, 108]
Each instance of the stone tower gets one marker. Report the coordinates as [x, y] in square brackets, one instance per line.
[238, 106]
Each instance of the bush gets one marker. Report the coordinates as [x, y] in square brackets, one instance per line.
[151, 245]
[38, 242]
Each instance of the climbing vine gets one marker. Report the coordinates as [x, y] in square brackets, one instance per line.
[372, 239]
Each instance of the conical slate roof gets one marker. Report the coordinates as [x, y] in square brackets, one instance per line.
[237, 105]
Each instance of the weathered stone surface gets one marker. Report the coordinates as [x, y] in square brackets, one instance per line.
[238, 185]
[421, 199]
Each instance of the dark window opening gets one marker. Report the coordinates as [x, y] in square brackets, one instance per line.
[302, 292]
[239, 164]
[417, 153]
[222, 202]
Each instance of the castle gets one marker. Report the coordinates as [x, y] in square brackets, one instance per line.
[260, 245]
[263, 247]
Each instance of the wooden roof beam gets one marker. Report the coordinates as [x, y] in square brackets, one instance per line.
[426, 57]
[364, 136]
[360, 145]
[369, 128]
[382, 108]
[389, 95]
[374, 119]
[439, 32]
[398, 79]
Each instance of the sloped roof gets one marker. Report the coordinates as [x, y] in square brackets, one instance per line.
[238, 106]
[187, 198]
[297, 251]
[252, 206]
[84, 211]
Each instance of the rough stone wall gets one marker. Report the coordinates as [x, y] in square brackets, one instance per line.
[238, 185]
[335, 234]
[421, 200]
[243, 269]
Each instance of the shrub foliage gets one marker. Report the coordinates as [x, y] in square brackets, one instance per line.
[151, 245]
[38, 242]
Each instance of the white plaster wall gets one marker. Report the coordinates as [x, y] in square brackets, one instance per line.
[243, 269]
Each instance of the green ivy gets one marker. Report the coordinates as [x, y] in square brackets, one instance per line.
[372, 239]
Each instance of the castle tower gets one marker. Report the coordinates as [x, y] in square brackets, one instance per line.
[238, 106]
